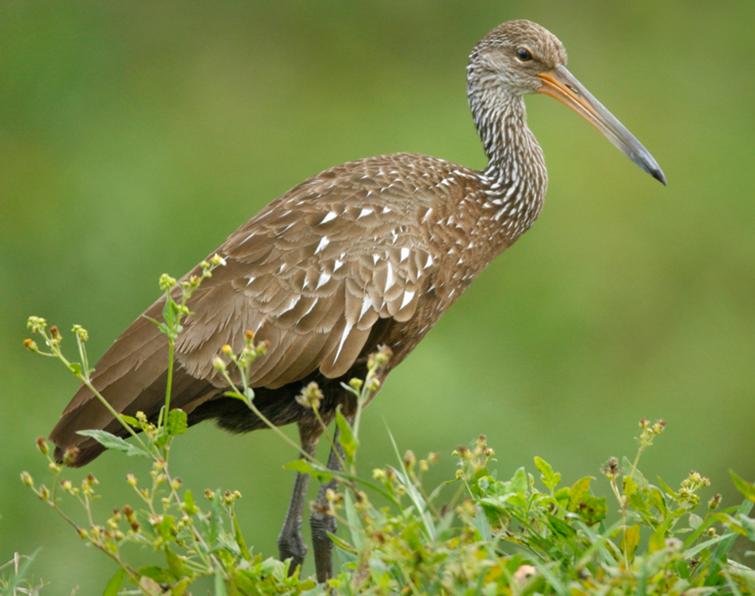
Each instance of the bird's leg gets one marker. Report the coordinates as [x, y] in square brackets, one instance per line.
[320, 522]
[290, 543]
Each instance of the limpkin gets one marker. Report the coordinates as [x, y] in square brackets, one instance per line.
[363, 254]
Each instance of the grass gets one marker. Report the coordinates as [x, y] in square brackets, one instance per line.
[532, 533]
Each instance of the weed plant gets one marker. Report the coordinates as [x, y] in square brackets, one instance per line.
[475, 533]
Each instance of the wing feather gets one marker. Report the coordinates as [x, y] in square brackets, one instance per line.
[312, 276]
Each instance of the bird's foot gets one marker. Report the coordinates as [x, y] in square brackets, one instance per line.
[292, 546]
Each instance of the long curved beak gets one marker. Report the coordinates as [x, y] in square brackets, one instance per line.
[562, 85]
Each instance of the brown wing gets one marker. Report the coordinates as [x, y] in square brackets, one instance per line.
[312, 274]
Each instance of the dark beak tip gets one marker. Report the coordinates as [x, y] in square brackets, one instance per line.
[658, 174]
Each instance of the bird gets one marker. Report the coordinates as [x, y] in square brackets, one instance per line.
[365, 254]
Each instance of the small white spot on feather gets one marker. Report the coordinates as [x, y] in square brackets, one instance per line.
[330, 216]
[366, 304]
[390, 278]
[408, 295]
[324, 241]
[291, 303]
[324, 278]
[346, 330]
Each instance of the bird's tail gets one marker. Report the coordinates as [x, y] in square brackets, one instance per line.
[131, 376]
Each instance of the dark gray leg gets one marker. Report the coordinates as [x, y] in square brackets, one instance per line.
[290, 543]
[321, 523]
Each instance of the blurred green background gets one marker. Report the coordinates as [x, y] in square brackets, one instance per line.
[135, 136]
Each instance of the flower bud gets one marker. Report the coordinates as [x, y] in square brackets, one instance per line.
[80, 333]
[310, 396]
[673, 544]
[714, 502]
[36, 324]
[166, 282]
[218, 364]
[42, 446]
[524, 574]
[70, 456]
[611, 468]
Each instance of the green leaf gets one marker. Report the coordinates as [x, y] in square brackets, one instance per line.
[131, 421]
[346, 437]
[236, 395]
[630, 486]
[219, 584]
[110, 441]
[560, 527]
[723, 548]
[304, 467]
[549, 478]
[698, 548]
[189, 505]
[113, 586]
[170, 313]
[746, 488]
[518, 482]
[239, 537]
[590, 508]
[342, 545]
[578, 491]
[177, 424]
[179, 588]
[630, 470]
[355, 524]
[630, 541]
[175, 564]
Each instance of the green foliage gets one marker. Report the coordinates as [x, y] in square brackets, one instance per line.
[14, 576]
[472, 534]
[523, 536]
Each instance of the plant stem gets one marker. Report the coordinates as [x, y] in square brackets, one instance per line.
[169, 380]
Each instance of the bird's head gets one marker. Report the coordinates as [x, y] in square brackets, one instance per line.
[521, 57]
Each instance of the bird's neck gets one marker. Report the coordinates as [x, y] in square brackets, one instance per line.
[515, 178]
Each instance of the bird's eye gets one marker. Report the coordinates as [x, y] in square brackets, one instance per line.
[523, 54]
